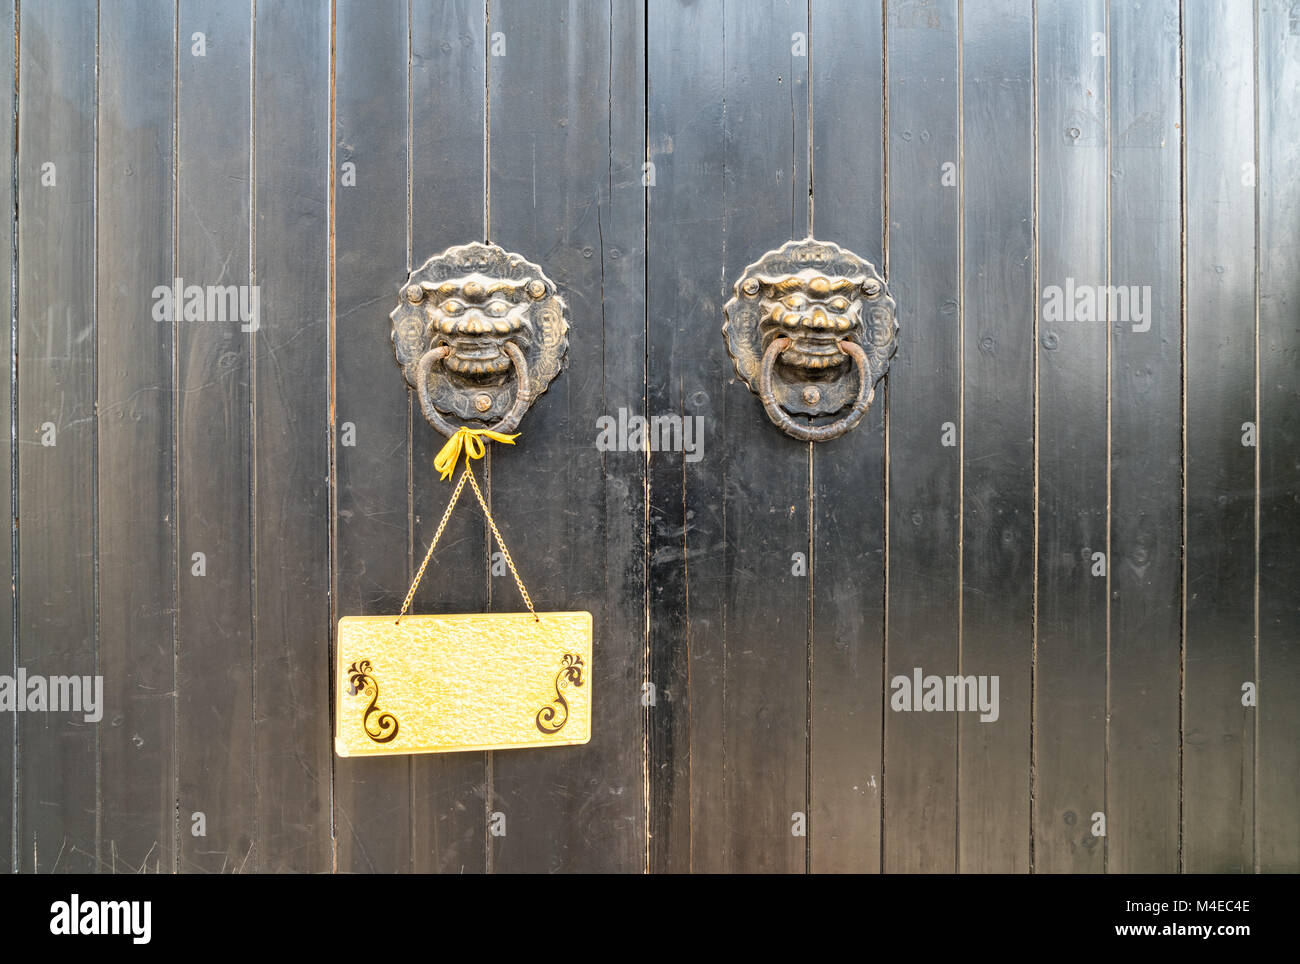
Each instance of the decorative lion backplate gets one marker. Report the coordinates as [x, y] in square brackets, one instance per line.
[479, 332]
[810, 329]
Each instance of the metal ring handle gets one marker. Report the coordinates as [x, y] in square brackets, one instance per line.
[509, 421]
[815, 433]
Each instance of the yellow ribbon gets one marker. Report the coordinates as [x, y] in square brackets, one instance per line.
[470, 441]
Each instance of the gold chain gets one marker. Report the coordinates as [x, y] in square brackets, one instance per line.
[455, 495]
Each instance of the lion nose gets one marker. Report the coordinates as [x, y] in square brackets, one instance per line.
[474, 324]
[819, 319]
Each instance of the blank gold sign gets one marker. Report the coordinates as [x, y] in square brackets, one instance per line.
[481, 681]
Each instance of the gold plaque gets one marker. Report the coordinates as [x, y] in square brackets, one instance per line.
[480, 681]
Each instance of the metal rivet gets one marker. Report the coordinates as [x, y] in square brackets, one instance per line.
[536, 289]
[414, 293]
[811, 395]
[483, 401]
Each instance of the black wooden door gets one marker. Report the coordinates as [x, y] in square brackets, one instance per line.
[1086, 506]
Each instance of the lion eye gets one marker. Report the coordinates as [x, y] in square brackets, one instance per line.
[497, 308]
[453, 307]
[797, 302]
[839, 304]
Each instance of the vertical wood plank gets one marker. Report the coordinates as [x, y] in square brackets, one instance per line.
[291, 440]
[1278, 830]
[920, 800]
[214, 661]
[58, 796]
[1146, 440]
[372, 797]
[137, 535]
[564, 192]
[688, 376]
[847, 564]
[996, 181]
[9, 857]
[760, 773]
[1070, 680]
[623, 280]
[745, 502]
[1220, 471]
[757, 765]
[448, 46]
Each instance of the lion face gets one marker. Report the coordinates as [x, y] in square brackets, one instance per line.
[475, 316]
[815, 312]
[799, 313]
[465, 320]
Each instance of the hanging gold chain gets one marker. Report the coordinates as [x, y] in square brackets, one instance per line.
[496, 534]
[501, 542]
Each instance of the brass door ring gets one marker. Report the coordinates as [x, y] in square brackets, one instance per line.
[508, 422]
[815, 433]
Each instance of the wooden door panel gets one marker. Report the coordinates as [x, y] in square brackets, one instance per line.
[847, 558]
[924, 433]
[1091, 501]
[998, 352]
[563, 191]
[372, 521]
[136, 407]
[58, 807]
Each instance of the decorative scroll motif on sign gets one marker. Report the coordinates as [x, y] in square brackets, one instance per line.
[479, 332]
[810, 329]
[551, 718]
[361, 681]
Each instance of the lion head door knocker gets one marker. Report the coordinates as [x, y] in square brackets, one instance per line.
[811, 329]
[479, 333]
